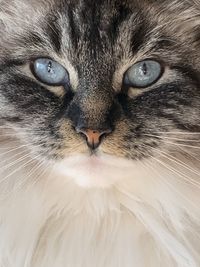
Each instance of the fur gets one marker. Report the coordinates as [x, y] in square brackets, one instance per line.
[135, 203]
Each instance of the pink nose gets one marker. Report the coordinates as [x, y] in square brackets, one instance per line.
[93, 137]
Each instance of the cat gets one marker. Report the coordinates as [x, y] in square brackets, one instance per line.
[100, 133]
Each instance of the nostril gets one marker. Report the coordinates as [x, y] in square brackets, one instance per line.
[93, 137]
[104, 134]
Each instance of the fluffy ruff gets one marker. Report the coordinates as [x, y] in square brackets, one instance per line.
[149, 217]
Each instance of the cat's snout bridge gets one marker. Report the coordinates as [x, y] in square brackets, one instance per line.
[93, 137]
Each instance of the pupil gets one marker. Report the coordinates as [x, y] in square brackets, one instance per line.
[144, 68]
[49, 66]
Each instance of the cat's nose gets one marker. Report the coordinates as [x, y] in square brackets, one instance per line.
[93, 137]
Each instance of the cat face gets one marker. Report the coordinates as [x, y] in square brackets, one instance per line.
[130, 84]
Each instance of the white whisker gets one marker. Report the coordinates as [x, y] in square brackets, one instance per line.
[175, 160]
[181, 175]
[32, 171]
[183, 133]
[162, 177]
[172, 138]
[21, 167]
[183, 145]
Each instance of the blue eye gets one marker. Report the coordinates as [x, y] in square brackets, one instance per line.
[49, 72]
[143, 74]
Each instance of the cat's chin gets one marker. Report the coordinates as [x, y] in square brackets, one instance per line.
[94, 171]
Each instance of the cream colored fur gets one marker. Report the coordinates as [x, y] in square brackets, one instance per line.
[148, 216]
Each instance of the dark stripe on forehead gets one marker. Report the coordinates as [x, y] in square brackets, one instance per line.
[32, 38]
[141, 33]
[122, 14]
[74, 31]
[138, 37]
[91, 17]
[54, 32]
[95, 24]
[164, 43]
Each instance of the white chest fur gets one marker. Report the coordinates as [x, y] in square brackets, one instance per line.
[149, 218]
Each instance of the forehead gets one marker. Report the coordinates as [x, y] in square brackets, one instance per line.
[87, 29]
[116, 29]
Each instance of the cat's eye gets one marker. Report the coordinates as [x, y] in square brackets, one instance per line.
[143, 74]
[49, 72]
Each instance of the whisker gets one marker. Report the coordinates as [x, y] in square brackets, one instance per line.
[178, 173]
[183, 145]
[170, 185]
[183, 133]
[32, 171]
[11, 164]
[172, 138]
[12, 150]
[19, 168]
[189, 153]
[175, 160]
[14, 156]
[42, 172]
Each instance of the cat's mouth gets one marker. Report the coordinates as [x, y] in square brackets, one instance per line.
[94, 170]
